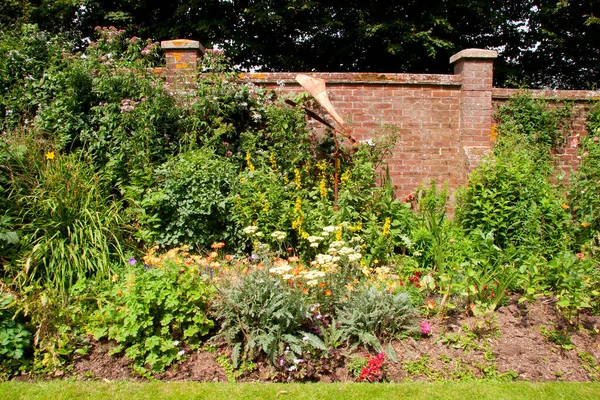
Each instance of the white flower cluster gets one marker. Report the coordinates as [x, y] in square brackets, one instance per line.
[281, 269]
[278, 235]
[338, 251]
[329, 230]
[315, 240]
[250, 230]
[312, 277]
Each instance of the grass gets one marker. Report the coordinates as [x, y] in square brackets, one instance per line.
[58, 390]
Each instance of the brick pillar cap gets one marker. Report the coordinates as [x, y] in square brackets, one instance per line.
[473, 53]
[182, 44]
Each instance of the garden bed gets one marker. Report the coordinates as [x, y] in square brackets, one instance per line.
[517, 342]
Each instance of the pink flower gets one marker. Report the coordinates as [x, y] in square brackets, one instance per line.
[425, 328]
[575, 143]
[595, 139]
[581, 256]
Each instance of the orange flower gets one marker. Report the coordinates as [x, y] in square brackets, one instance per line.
[431, 305]
[322, 284]
[219, 245]
[564, 206]
[305, 290]
[328, 292]
[213, 254]
[293, 259]
[229, 257]
[585, 224]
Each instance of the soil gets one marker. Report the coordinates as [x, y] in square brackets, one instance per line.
[517, 342]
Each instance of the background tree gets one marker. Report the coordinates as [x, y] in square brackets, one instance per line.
[542, 43]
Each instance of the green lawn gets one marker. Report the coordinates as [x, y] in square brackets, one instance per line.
[56, 390]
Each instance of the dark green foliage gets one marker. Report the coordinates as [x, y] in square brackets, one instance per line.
[156, 315]
[542, 43]
[15, 339]
[190, 203]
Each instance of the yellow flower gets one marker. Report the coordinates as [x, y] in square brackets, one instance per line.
[323, 188]
[564, 206]
[346, 176]
[339, 233]
[273, 162]
[386, 227]
[297, 179]
[585, 224]
[50, 155]
[249, 162]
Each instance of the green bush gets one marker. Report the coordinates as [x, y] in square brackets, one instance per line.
[155, 314]
[190, 203]
[584, 193]
[15, 339]
[510, 193]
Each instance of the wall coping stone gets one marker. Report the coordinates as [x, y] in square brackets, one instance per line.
[356, 78]
[473, 53]
[182, 44]
[556, 95]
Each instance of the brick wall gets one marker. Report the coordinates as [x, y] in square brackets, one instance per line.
[582, 101]
[444, 121]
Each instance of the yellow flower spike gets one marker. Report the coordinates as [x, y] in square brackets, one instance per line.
[249, 162]
[386, 227]
[323, 188]
[339, 233]
[297, 178]
[273, 162]
[50, 155]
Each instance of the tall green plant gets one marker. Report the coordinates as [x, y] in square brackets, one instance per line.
[511, 193]
[71, 229]
[584, 193]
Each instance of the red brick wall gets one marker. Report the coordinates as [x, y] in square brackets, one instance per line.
[444, 121]
[424, 108]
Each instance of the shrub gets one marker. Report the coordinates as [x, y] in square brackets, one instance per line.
[155, 315]
[15, 339]
[190, 203]
[510, 193]
[584, 193]
[509, 197]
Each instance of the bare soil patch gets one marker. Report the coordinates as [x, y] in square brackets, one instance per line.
[517, 342]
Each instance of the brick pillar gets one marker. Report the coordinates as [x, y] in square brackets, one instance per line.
[182, 62]
[476, 69]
